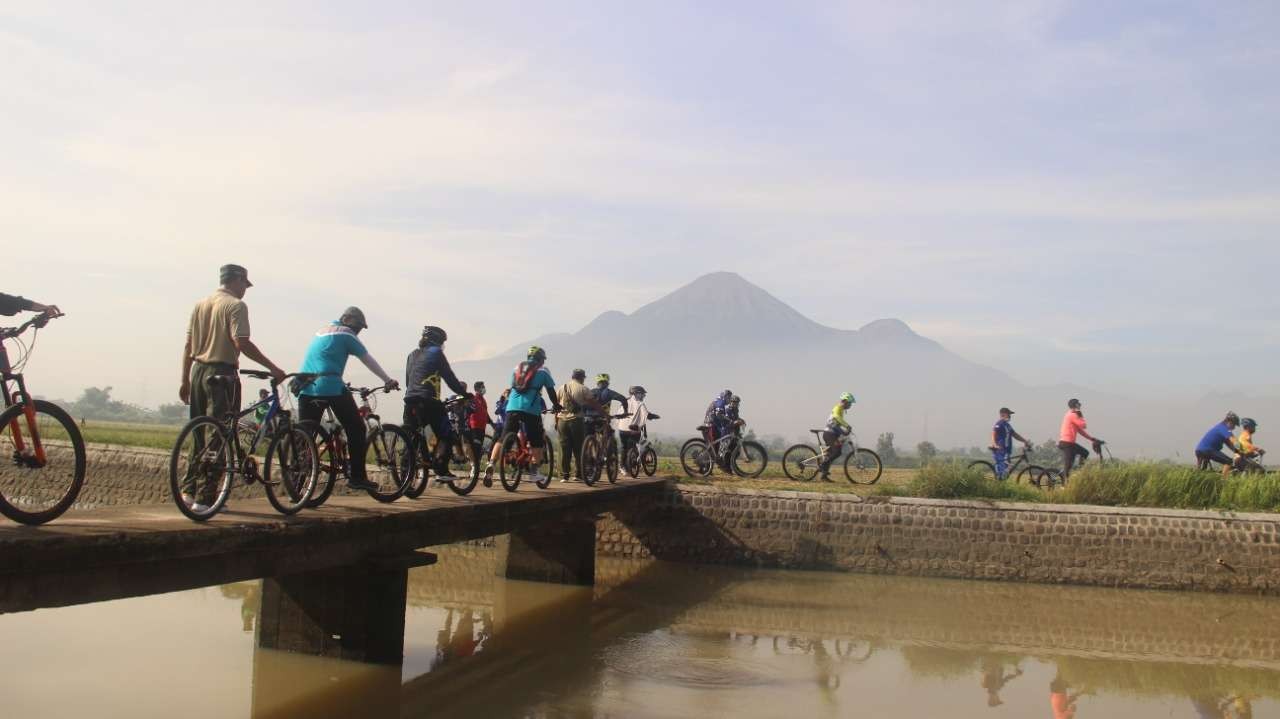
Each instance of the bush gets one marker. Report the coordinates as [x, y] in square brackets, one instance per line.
[1171, 486]
[953, 480]
[1251, 493]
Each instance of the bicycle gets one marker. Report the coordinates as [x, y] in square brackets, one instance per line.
[802, 462]
[599, 450]
[516, 457]
[743, 457]
[208, 452]
[44, 454]
[642, 456]
[423, 446]
[1031, 473]
[1056, 478]
[387, 451]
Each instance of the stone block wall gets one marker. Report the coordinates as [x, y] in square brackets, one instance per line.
[1066, 544]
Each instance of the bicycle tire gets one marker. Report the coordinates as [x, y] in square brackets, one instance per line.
[649, 462]
[292, 456]
[987, 469]
[631, 462]
[695, 459]
[801, 463]
[509, 463]
[744, 450]
[589, 461]
[1053, 479]
[388, 453]
[866, 466]
[420, 467]
[215, 464]
[611, 461]
[548, 459]
[71, 475]
[1032, 474]
[462, 486]
[325, 463]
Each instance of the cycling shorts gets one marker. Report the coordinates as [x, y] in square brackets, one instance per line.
[422, 412]
[531, 423]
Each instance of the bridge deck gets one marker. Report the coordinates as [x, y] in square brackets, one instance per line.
[118, 552]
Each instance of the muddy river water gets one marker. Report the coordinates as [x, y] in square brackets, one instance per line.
[659, 640]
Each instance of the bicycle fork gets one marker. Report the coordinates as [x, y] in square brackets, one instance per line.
[32, 457]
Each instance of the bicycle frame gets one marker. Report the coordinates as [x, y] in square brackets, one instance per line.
[35, 456]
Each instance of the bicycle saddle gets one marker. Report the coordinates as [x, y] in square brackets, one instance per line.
[702, 428]
[817, 431]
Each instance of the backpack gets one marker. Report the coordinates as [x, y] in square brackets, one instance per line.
[525, 372]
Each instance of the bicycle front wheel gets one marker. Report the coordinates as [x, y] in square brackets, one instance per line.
[548, 465]
[610, 464]
[695, 458]
[35, 490]
[863, 467]
[649, 462]
[385, 465]
[1032, 474]
[329, 461]
[200, 469]
[801, 463]
[510, 463]
[750, 459]
[590, 461]
[291, 470]
[419, 466]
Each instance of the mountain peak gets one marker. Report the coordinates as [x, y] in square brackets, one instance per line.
[726, 304]
[886, 330]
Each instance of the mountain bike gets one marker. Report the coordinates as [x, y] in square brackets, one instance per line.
[40, 445]
[516, 459]
[1056, 478]
[642, 456]
[388, 460]
[423, 446]
[1026, 471]
[743, 457]
[802, 462]
[207, 456]
[458, 408]
[599, 450]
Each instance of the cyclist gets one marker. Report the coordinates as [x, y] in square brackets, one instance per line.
[637, 416]
[12, 304]
[1220, 435]
[1248, 449]
[327, 356]
[834, 433]
[575, 400]
[729, 421]
[477, 420]
[1073, 424]
[260, 414]
[426, 369]
[714, 417]
[1002, 436]
[524, 409]
[500, 412]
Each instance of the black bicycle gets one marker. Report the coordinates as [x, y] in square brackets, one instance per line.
[207, 456]
[1019, 466]
[42, 457]
[599, 450]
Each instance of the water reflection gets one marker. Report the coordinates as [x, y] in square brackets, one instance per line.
[654, 639]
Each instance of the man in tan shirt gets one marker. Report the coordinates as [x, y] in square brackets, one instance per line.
[574, 397]
[217, 334]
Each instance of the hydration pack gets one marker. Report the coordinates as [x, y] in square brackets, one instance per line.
[525, 372]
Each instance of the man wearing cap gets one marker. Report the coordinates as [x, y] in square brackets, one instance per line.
[327, 356]
[574, 398]
[1002, 436]
[217, 334]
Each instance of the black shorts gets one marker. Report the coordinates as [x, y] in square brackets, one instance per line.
[419, 412]
[531, 423]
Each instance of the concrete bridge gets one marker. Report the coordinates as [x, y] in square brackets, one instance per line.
[324, 570]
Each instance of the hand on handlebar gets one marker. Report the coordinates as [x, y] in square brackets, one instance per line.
[390, 385]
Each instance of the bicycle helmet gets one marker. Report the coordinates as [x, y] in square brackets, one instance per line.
[537, 354]
[433, 335]
[636, 390]
[725, 395]
[1232, 418]
[1073, 404]
[1249, 424]
[847, 397]
[353, 317]
[735, 400]
[602, 377]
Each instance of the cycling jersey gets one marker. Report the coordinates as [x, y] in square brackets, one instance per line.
[837, 418]
[425, 370]
[1246, 442]
[637, 416]
[327, 355]
[530, 401]
[1003, 435]
[1072, 423]
[1217, 436]
[605, 397]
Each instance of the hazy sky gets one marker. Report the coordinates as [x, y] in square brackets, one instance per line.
[1078, 192]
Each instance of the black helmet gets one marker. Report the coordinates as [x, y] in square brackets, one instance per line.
[536, 354]
[1073, 404]
[735, 400]
[353, 317]
[1232, 418]
[433, 335]
[636, 389]
[1249, 424]
[725, 395]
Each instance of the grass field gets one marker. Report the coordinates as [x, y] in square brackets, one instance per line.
[155, 436]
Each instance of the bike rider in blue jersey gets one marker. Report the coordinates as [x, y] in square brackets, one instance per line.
[427, 370]
[1002, 436]
[714, 420]
[1220, 435]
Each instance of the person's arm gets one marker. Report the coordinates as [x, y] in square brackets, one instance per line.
[994, 439]
[1080, 427]
[621, 399]
[1018, 437]
[368, 361]
[184, 389]
[250, 350]
[13, 304]
[550, 388]
[449, 377]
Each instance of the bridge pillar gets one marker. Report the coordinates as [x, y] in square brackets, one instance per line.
[354, 613]
[562, 552]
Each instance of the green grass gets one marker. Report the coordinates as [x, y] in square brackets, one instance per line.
[1176, 487]
[954, 480]
[155, 436]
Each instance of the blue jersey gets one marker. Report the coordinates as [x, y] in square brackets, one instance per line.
[328, 354]
[1215, 438]
[530, 401]
[1004, 435]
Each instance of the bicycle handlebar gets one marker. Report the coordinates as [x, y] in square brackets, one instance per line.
[364, 392]
[39, 321]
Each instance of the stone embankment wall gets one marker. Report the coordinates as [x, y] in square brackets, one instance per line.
[1063, 544]
[117, 475]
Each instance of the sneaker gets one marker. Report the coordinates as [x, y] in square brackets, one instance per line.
[537, 478]
[365, 486]
[488, 475]
[193, 505]
[825, 477]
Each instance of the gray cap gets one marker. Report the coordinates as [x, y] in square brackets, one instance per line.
[356, 315]
[230, 272]
[579, 374]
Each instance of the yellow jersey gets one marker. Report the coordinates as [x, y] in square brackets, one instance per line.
[1245, 443]
[837, 416]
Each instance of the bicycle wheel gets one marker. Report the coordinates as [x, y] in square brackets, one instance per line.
[385, 466]
[750, 459]
[987, 469]
[419, 467]
[1032, 474]
[291, 470]
[548, 464]
[32, 491]
[464, 483]
[326, 464]
[631, 462]
[1052, 479]
[610, 464]
[511, 463]
[590, 460]
[801, 463]
[649, 462]
[695, 458]
[200, 469]
[863, 466]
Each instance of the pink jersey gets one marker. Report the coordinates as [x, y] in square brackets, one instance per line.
[1071, 424]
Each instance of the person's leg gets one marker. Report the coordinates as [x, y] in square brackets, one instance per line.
[537, 437]
[1068, 452]
[348, 415]
[566, 447]
[437, 416]
[830, 440]
[1001, 457]
[579, 434]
